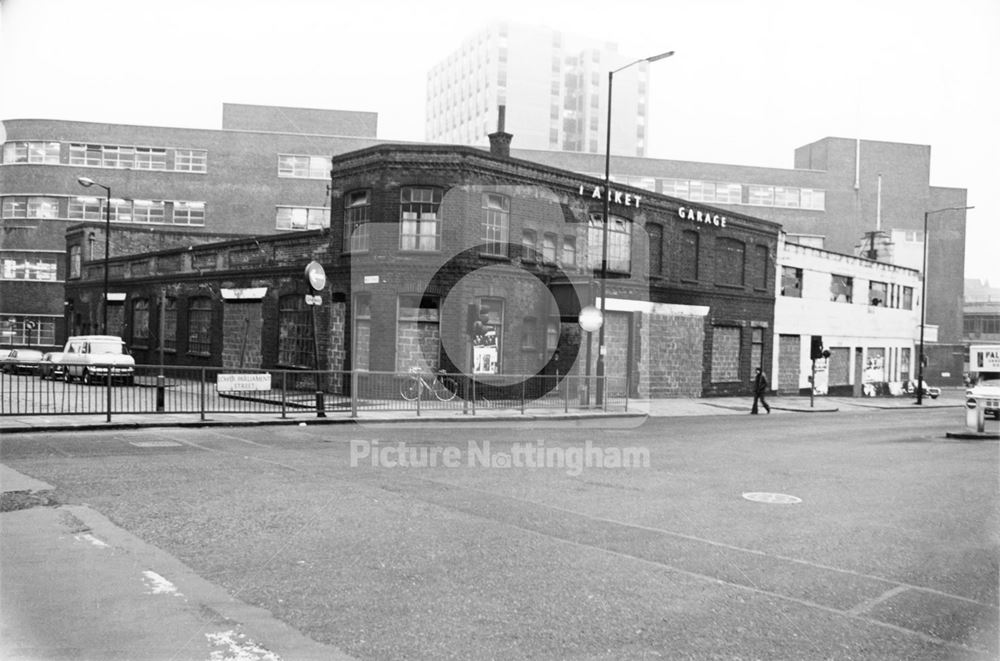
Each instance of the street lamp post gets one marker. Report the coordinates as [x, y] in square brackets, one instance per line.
[87, 182]
[601, 351]
[923, 304]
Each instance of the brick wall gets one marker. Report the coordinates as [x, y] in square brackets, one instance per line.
[725, 354]
[674, 357]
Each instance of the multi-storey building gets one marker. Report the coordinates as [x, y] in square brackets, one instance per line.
[838, 192]
[266, 171]
[554, 86]
[426, 242]
[865, 313]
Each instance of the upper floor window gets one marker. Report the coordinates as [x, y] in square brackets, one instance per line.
[762, 267]
[190, 160]
[75, 261]
[30, 207]
[302, 218]
[877, 293]
[420, 214]
[148, 211]
[619, 231]
[841, 288]
[188, 213]
[357, 214]
[568, 255]
[496, 223]
[529, 245]
[791, 281]
[689, 262]
[29, 268]
[907, 298]
[31, 152]
[655, 249]
[549, 248]
[150, 158]
[310, 167]
[731, 262]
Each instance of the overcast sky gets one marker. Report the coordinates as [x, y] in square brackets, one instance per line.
[751, 81]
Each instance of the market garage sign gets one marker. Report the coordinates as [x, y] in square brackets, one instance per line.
[699, 216]
[616, 196]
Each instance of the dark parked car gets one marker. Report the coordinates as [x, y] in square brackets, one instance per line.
[49, 367]
[22, 361]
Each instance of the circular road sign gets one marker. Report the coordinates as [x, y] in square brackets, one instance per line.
[590, 319]
[315, 275]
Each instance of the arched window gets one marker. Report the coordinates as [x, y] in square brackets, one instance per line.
[140, 322]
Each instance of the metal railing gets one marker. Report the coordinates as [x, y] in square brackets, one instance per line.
[201, 391]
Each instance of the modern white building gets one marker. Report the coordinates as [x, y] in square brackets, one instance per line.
[866, 312]
[553, 85]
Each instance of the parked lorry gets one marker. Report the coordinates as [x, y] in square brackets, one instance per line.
[984, 373]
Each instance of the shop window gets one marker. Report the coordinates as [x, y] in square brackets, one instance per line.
[496, 223]
[841, 288]
[689, 257]
[791, 282]
[420, 227]
[140, 322]
[357, 215]
[200, 325]
[295, 332]
[731, 262]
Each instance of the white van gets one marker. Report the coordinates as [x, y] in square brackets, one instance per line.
[88, 358]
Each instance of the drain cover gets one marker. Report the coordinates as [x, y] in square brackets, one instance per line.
[772, 498]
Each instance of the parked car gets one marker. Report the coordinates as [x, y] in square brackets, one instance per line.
[22, 361]
[987, 390]
[88, 358]
[930, 391]
[50, 367]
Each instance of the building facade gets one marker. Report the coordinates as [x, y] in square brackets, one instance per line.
[553, 84]
[865, 313]
[267, 170]
[453, 258]
[838, 192]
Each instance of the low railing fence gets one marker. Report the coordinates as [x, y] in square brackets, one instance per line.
[153, 389]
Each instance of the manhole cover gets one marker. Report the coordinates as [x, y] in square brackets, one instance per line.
[155, 444]
[772, 498]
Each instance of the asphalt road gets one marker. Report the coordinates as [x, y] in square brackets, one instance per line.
[891, 552]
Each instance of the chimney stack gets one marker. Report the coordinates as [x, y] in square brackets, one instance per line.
[500, 141]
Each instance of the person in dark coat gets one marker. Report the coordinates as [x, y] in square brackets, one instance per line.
[759, 390]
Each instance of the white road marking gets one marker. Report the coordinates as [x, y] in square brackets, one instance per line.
[87, 537]
[237, 647]
[159, 585]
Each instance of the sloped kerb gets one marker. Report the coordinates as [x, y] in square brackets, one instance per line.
[973, 435]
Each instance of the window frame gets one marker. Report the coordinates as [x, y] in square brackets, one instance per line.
[425, 212]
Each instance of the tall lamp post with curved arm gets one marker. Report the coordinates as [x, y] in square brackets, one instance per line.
[601, 351]
[923, 304]
[87, 182]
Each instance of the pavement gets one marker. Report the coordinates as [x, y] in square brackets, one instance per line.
[672, 407]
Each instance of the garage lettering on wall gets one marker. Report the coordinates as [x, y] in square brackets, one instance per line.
[699, 216]
[615, 196]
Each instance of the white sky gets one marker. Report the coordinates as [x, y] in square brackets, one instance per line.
[751, 81]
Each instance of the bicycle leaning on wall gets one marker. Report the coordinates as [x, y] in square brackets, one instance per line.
[413, 385]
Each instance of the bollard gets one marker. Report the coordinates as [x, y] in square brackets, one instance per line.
[320, 406]
[975, 414]
[160, 393]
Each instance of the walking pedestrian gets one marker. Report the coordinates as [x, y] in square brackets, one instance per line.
[759, 390]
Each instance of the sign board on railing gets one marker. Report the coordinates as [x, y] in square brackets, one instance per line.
[241, 382]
